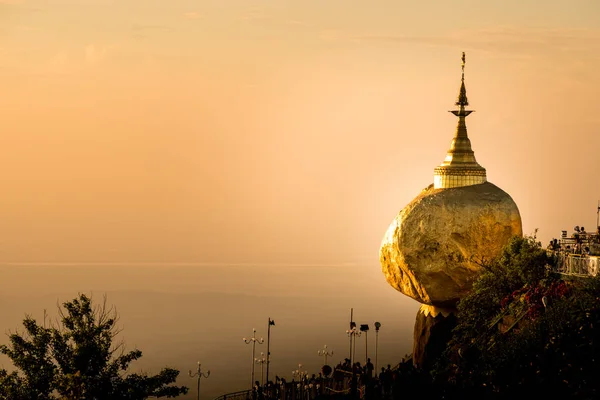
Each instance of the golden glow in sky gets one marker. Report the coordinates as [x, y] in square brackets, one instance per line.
[281, 131]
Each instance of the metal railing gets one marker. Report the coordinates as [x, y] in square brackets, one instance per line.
[340, 382]
[577, 264]
[241, 395]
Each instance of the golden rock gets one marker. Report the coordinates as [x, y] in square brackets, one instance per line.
[433, 249]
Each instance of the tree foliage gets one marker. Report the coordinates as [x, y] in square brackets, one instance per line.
[78, 359]
[524, 327]
[521, 263]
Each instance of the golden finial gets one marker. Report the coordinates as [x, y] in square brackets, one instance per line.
[462, 95]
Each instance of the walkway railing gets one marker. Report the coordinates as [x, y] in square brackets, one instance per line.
[340, 382]
[577, 264]
[241, 395]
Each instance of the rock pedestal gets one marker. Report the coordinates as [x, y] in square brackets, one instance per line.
[433, 330]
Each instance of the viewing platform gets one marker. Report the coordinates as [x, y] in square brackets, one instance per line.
[578, 254]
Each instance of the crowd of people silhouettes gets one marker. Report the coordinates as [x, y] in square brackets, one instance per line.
[346, 379]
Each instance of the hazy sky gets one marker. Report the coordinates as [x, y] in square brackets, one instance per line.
[281, 131]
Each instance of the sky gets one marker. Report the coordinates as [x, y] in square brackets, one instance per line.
[281, 132]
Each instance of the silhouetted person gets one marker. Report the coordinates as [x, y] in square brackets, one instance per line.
[258, 391]
[369, 369]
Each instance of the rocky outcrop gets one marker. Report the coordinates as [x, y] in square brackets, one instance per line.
[433, 330]
[433, 249]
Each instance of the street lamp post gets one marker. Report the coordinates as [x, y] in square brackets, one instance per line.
[377, 326]
[262, 360]
[198, 374]
[365, 328]
[352, 325]
[271, 323]
[299, 373]
[253, 340]
[352, 334]
[325, 353]
[301, 376]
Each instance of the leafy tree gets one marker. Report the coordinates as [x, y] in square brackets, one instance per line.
[78, 360]
[508, 339]
[522, 263]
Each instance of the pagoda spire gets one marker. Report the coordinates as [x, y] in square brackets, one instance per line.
[462, 102]
[462, 95]
[460, 168]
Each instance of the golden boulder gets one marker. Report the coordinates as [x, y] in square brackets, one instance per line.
[434, 248]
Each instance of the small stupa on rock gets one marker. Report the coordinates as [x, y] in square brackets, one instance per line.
[434, 248]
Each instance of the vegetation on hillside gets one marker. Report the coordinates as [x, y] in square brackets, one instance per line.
[523, 327]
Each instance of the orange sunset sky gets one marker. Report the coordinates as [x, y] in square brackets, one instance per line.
[272, 131]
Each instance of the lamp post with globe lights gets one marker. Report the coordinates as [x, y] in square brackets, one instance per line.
[301, 376]
[325, 353]
[353, 334]
[199, 374]
[262, 360]
[326, 369]
[352, 325]
[253, 340]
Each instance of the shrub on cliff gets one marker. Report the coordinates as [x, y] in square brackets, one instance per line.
[522, 263]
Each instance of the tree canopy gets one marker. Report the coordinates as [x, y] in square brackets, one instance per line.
[78, 359]
[523, 327]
